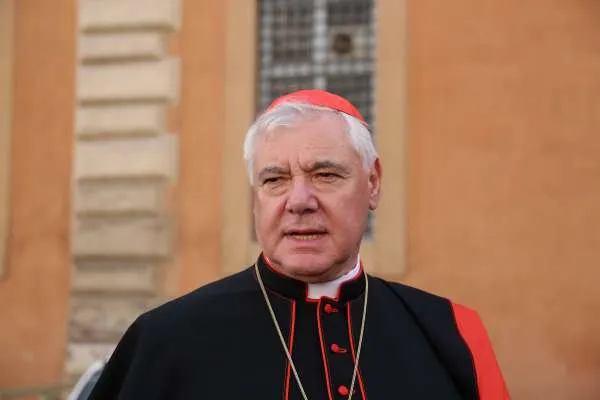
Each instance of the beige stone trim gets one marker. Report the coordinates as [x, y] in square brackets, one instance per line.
[114, 277]
[96, 318]
[142, 82]
[141, 238]
[134, 158]
[386, 252]
[6, 86]
[239, 106]
[114, 15]
[121, 46]
[124, 168]
[120, 121]
[121, 198]
[389, 244]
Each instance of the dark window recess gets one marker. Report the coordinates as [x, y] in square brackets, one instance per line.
[356, 88]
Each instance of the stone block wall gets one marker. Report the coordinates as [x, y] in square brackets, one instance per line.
[124, 168]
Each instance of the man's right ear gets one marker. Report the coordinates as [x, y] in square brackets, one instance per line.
[375, 176]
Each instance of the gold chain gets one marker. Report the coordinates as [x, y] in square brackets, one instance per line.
[285, 348]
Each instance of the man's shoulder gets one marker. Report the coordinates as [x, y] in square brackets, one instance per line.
[413, 294]
[222, 293]
[424, 302]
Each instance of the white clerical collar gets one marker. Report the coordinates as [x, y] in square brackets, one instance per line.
[330, 289]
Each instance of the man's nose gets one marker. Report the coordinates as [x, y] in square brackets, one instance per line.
[301, 198]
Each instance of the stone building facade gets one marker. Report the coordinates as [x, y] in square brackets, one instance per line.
[122, 183]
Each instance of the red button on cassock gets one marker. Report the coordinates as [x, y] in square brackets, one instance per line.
[343, 390]
[337, 349]
[330, 309]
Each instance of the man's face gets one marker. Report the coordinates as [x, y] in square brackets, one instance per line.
[312, 197]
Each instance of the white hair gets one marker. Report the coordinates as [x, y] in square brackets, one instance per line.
[287, 114]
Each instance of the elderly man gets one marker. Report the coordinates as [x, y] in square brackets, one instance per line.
[305, 321]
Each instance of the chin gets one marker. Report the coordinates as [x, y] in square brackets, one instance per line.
[305, 265]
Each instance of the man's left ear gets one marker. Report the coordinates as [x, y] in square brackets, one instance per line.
[374, 184]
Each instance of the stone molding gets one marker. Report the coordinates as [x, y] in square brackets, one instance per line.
[125, 165]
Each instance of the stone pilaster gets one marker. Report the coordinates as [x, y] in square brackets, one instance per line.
[124, 166]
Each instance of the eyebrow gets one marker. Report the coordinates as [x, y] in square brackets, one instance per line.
[317, 165]
[272, 169]
[326, 164]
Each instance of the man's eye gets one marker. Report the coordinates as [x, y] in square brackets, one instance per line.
[327, 176]
[273, 180]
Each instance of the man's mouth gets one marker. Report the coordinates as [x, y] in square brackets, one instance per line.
[305, 235]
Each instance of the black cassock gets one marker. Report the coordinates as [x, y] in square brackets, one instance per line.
[219, 342]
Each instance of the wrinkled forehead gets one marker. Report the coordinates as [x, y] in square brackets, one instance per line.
[315, 129]
[301, 117]
[308, 141]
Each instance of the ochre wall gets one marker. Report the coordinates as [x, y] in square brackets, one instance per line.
[34, 290]
[201, 130]
[504, 185]
[6, 88]
[503, 190]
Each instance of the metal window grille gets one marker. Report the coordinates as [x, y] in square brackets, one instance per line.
[327, 44]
